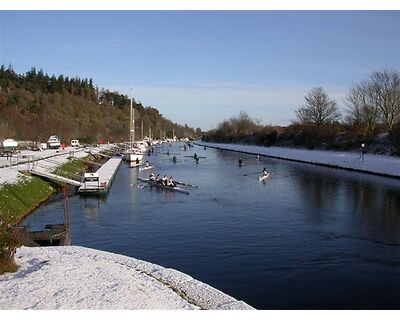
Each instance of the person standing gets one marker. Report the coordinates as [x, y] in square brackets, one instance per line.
[363, 151]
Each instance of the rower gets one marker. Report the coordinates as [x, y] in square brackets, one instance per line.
[158, 177]
[168, 153]
[164, 180]
[146, 164]
[174, 159]
[137, 161]
[265, 172]
[170, 182]
[205, 148]
[240, 162]
[195, 155]
[152, 177]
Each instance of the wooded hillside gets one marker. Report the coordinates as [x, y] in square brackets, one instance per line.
[35, 105]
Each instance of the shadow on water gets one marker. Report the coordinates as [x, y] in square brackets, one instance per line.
[308, 238]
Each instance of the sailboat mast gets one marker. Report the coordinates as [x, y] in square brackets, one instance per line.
[132, 124]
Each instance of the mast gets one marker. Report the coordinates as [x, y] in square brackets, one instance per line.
[132, 124]
[142, 130]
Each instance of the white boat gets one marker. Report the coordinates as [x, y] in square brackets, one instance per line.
[141, 146]
[9, 145]
[54, 142]
[263, 177]
[146, 168]
[132, 155]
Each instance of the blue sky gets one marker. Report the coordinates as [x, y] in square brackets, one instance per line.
[201, 67]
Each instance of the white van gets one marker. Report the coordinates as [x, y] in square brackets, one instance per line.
[54, 142]
[75, 143]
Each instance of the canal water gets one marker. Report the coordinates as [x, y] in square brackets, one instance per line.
[308, 238]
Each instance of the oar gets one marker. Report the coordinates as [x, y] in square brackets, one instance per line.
[135, 184]
[197, 157]
[248, 174]
[186, 184]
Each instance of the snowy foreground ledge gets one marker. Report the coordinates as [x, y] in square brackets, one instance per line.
[82, 278]
[376, 164]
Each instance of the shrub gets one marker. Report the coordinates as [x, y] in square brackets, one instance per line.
[8, 245]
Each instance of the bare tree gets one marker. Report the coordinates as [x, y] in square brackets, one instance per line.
[319, 108]
[362, 110]
[385, 95]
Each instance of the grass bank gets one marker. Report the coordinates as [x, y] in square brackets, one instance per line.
[19, 199]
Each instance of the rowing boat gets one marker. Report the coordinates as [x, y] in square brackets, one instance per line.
[146, 168]
[263, 177]
[161, 186]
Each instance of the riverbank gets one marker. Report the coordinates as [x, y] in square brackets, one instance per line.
[21, 193]
[82, 278]
[375, 164]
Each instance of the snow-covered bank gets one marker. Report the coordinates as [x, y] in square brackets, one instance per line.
[82, 278]
[376, 164]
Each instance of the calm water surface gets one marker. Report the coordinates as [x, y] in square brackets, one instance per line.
[308, 238]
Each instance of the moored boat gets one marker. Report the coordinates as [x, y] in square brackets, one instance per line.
[133, 155]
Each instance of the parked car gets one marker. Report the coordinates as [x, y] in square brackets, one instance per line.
[54, 142]
[75, 143]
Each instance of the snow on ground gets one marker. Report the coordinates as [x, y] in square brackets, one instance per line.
[82, 278]
[383, 165]
[58, 157]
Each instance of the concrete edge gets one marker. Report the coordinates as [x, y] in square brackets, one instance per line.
[195, 292]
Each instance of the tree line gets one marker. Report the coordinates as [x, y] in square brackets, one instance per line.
[35, 105]
[371, 114]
